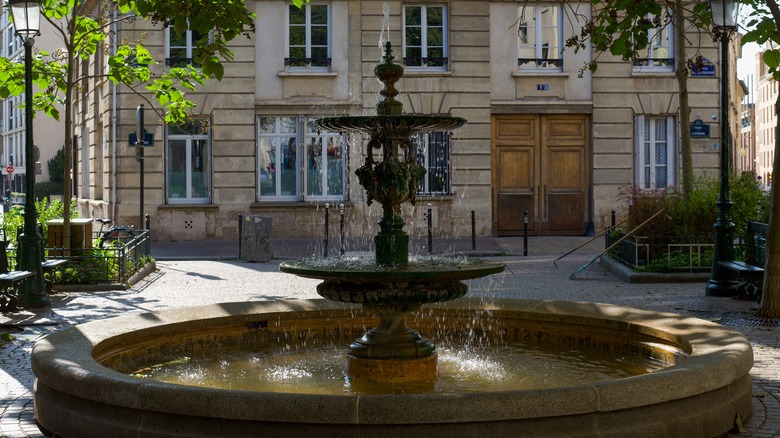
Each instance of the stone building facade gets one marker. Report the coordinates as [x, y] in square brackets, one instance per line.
[539, 138]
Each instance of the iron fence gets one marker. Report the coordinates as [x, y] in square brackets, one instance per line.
[663, 253]
[95, 265]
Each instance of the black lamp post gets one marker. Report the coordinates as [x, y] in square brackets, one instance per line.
[27, 18]
[722, 282]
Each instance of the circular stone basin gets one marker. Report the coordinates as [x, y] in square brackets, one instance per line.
[82, 388]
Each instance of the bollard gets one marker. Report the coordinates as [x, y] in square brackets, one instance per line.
[148, 222]
[473, 231]
[607, 241]
[325, 242]
[341, 209]
[240, 222]
[430, 229]
[525, 233]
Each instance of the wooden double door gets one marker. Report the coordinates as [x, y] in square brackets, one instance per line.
[541, 165]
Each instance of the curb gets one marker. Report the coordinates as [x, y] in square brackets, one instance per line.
[629, 276]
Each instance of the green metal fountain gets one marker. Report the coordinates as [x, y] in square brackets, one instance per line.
[391, 286]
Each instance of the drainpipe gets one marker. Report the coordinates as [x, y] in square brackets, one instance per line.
[114, 172]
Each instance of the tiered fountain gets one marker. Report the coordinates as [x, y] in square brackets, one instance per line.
[391, 288]
[85, 384]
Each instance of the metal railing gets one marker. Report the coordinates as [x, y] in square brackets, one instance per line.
[94, 265]
[663, 253]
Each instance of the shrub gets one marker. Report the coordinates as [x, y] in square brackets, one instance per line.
[14, 218]
[698, 216]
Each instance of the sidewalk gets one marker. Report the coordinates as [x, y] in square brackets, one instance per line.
[194, 273]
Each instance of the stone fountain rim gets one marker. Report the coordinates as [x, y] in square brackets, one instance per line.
[719, 357]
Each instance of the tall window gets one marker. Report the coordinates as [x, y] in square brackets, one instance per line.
[655, 152]
[659, 54]
[425, 36]
[432, 151]
[188, 163]
[181, 48]
[308, 39]
[296, 162]
[540, 37]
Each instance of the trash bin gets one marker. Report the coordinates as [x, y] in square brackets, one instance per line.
[255, 239]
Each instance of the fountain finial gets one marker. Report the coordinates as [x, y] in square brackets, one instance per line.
[388, 73]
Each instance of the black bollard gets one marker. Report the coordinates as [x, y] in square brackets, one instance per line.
[240, 225]
[473, 231]
[525, 233]
[341, 209]
[607, 241]
[325, 242]
[148, 223]
[430, 230]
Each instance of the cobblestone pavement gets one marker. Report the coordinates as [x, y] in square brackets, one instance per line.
[179, 282]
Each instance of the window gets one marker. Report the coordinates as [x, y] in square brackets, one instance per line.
[432, 151]
[658, 55]
[655, 152]
[539, 38]
[181, 47]
[308, 39]
[425, 37]
[188, 163]
[318, 174]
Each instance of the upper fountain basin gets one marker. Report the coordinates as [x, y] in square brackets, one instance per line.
[366, 269]
[395, 123]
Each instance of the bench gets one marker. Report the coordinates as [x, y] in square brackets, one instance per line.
[9, 282]
[750, 272]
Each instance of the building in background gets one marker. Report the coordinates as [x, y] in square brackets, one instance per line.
[539, 138]
[765, 119]
[49, 134]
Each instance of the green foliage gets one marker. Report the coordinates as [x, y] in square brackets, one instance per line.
[698, 215]
[57, 166]
[47, 189]
[14, 218]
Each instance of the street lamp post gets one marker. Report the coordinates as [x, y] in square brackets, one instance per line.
[26, 16]
[722, 282]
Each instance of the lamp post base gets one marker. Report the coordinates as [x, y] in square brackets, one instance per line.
[32, 293]
[721, 288]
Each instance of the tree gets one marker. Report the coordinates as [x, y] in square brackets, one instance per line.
[763, 27]
[82, 27]
[618, 27]
[622, 29]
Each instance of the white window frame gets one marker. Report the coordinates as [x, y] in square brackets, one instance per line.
[303, 135]
[424, 36]
[189, 138]
[540, 62]
[642, 163]
[306, 7]
[189, 47]
[656, 39]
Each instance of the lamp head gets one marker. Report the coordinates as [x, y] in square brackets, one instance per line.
[725, 14]
[27, 17]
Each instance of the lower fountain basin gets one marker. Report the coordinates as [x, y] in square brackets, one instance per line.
[81, 388]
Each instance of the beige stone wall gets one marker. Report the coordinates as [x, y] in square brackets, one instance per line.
[482, 79]
[620, 93]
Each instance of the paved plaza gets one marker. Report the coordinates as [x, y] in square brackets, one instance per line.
[195, 273]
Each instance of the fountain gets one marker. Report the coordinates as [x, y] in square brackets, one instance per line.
[391, 287]
[84, 384]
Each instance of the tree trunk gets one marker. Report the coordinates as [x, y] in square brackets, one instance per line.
[681, 72]
[770, 305]
[69, 130]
